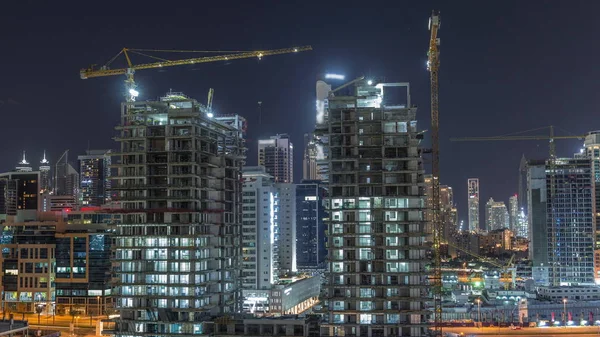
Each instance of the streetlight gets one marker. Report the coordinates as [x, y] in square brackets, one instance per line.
[479, 312]
[565, 310]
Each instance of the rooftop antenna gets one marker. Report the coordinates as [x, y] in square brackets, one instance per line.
[260, 112]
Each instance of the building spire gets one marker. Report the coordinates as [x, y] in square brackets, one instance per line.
[44, 160]
[24, 165]
[24, 161]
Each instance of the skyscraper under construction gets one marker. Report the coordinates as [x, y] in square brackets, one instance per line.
[377, 282]
[178, 249]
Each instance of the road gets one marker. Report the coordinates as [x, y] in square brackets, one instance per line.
[558, 332]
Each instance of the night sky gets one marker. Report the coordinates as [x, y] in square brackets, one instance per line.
[506, 66]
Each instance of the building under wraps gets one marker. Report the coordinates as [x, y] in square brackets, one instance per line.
[178, 187]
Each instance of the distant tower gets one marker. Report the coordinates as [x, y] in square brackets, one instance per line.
[513, 209]
[473, 203]
[44, 174]
[276, 155]
[24, 165]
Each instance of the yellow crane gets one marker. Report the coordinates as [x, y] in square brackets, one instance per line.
[131, 68]
[433, 65]
[551, 137]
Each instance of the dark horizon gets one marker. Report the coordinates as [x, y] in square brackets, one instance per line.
[505, 67]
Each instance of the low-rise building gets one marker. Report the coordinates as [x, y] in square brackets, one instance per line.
[588, 293]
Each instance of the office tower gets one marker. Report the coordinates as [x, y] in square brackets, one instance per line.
[94, 177]
[522, 227]
[592, 151]
[322, 90]
[23, 165]
[376, 282]
[570, 221]
[61, 266]
[496, 215]
[277, 156]
[309, 160]
[310, 225]
[178, 248]
[513, 213]
[19, 195]
[66, 178]
[522, 195]
[45, 175]
[83, 265]
[473, 203]
[446, 208]
[537, 230]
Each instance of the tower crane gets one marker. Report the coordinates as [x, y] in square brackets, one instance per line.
[131, 68]
[433, 65]
[551, 137]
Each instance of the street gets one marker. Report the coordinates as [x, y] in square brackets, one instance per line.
[558, 331]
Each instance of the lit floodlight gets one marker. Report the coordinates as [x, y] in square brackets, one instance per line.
[134, 93]
[335, 76]
[369, 82]
[210, 115]
[581, 151]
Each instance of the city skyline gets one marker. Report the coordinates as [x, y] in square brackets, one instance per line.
[289, 108]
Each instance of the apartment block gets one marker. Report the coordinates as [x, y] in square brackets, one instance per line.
[268, 229]
[178, 248]
[377, 281]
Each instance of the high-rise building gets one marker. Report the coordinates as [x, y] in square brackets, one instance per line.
[496, 215]
[522, 195]
[447, 209]
[277, 156]
[309, 160]
[178, 248]
[94, 177]
[45, 185]
[522, 229]
[536, 204]
[473, 203]
[376, 282]
[592, 151]
[570, 221]
[19, 196]
[260, 229]
[66, 177]
[513, 212]
[310, 225]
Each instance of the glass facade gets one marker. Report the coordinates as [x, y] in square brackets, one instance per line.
[570, 221]
[310, 225]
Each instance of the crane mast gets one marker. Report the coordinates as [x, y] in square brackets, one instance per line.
[433, 64]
